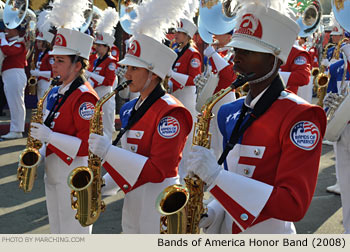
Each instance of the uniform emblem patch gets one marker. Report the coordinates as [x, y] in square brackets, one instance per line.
[300, 60]
[111, 66]
[195, 63]
[86, 110]
[305, 135]
[168, 127]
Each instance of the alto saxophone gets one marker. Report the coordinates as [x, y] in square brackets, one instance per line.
[182, 205]
[30, 157]
[86, 182]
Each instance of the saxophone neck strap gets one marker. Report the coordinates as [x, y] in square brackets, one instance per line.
[136, 115]
[264, 103]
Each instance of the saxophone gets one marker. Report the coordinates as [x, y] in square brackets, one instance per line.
[181, 206]
[322, 79]
[29, 158]
[86, 182]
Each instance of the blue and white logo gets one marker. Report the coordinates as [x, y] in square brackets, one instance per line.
[86, 110]
[300, 60]
[305, 135]
[168, 127]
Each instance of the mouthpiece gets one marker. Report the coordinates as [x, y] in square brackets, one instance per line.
[241, 80]
[123, 85]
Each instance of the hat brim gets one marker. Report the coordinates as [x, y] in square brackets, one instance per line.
[63, 51]
[247, 44]
[39, 38]
[336, 33]
[131, 61]
[100, 42]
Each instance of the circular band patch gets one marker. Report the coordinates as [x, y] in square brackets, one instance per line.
[195, 63]
[300, 60]
[305, 135]
[112, 66]
[86, 110]
[168, 127]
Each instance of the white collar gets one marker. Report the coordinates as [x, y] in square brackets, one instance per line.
[250, 103]
[62, 89]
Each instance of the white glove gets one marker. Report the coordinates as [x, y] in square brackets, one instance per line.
[207, 220]
[170, 87]
[99, 145]
[3, 39]
[209, 51]
[202, 162]
[35, 72]
[346, 50]
[40, 132]
[325, 62]
[87, 74]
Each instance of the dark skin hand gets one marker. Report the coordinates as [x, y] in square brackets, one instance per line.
[255, 62]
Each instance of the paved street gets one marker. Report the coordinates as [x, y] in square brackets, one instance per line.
[26, 212]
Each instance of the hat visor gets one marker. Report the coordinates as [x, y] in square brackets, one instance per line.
[39, 38]
[247, 44]
[100, 42]
[336, 33]
[58, 50]
[131, 61]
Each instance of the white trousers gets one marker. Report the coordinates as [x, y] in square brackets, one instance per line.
[58, 201]
[43, 85]
[343, 166]
[187, 96]
[108, 109]
[15, 81]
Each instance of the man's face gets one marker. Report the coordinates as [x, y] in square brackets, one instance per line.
[246, 62]
[336, 38]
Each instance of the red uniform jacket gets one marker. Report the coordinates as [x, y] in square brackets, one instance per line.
[107, 69]
[73, 118]
[15, 56]
[163, 151]
[299, 65]
[190, 63]
[46, 65]
[226, 75]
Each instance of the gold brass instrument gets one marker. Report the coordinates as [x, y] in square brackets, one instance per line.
[322, 79]
[32, 81]
[182, 206]
[86, 182]
[30, 157]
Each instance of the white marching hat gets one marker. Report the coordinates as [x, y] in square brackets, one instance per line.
[104, 39]
[265, 30]
[336, 30]
[148, 53]
[71, 42]
[187, 26]
[45, 36]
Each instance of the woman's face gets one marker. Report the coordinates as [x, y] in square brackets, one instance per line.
[181, 37]
[101, 49]
[65, 68]
[138, 75]
[39, 45]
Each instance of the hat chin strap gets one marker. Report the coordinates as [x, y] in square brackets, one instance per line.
[148, 81]
[268, 75]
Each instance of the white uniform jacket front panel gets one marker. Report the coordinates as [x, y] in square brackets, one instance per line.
[271, 173]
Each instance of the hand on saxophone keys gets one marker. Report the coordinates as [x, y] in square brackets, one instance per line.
[202, 162]
[99, 145]
[41, 132]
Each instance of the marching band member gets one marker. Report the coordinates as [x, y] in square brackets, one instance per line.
[185, 68]
[102, 74]
[70, 107]
[264, 186]
[66, 128]
[341, 147]
[14, 78]
[221, 63]
[156, 124]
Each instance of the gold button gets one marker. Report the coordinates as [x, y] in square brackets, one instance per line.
[244, 217]
[125, 186]
[133, 148]
[138, 134]
[246, 171]
[69, 158]
[257, 152]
